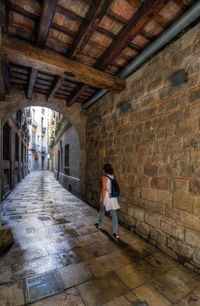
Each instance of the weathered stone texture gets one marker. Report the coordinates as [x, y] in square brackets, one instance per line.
[154, 149]
[6, 238]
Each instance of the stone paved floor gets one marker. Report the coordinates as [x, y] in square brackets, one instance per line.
[60, 258]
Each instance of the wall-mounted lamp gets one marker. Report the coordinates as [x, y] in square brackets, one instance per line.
[124, 106]
[179, 77]
[97, 120]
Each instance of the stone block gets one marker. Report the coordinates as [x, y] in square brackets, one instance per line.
[181, 200]
[182, 249]
[195, 155]
[148, 136]
[183, 55]
[179, 157]
[194, 170]
[168, 105]
[149, 99]
[152, 206]
[165, 132]
[12, 294]
[167, 251]
[191, 143]
[182, 217]
[155, 85]
[176, 117]
[159, 123]
[192, 238]
[194, 186]
[151, 170]
[196, 258]
[149, 194]
[151, 296]
[142, 229]
[156, 236]
[145, 181]
[181, 184]
[164, 196]
[137, 213]
[192, 112]
[172, 229]
[175, 144]
[196, 205]
[195, 96]
[6, 238]
[160, 183]
[146, 114]
[152, 219]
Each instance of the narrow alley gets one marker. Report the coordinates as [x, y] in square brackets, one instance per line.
[60, 258]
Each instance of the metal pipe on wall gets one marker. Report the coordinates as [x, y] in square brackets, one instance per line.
[185, 20]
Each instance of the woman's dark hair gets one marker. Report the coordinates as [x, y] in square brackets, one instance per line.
[108, 169]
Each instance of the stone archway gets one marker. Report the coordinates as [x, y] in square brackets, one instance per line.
[17, 100]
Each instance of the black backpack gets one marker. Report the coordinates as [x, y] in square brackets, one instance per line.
[115, 192]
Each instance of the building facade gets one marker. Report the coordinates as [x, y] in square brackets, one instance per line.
[15, 151]
[38, 156]
[55, 119]
[67, 157]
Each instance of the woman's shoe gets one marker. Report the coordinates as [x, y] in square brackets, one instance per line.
[116, 235]
[97, 225]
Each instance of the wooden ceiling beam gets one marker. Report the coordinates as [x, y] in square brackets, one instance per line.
[31, 84]
[19, 70]
[47, 13]
[19, 76]
[136, 23]
[45, 77]
[24, 54]
[48, 10]
[161, 21]
[105, 32]
[76, 94]
[63, 30]
[57, 83]
[93, 18]
[116, 17]
[135, 3]
[63, 11]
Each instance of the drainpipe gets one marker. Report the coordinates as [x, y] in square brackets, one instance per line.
[185, 20]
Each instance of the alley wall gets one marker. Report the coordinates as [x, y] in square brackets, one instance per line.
[154, 148]
[67, 158]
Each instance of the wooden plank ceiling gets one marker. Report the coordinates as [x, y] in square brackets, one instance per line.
[70, 48]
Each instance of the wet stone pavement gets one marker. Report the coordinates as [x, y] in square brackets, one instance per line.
[60, 258]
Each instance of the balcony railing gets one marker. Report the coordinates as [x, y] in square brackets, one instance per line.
[29, 120]
[34, 123]
[43, 129]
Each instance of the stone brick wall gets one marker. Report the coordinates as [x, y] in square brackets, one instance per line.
[155, 150]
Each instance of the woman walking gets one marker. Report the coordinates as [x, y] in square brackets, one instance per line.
[107, 202]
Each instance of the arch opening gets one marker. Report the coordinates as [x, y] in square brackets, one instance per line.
[72, 118]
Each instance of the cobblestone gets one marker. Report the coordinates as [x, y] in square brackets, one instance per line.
[53, 232]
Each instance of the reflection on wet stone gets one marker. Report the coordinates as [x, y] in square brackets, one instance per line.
[41, 286]
[57, 248]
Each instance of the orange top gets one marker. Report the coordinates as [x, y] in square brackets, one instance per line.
[104, 181]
